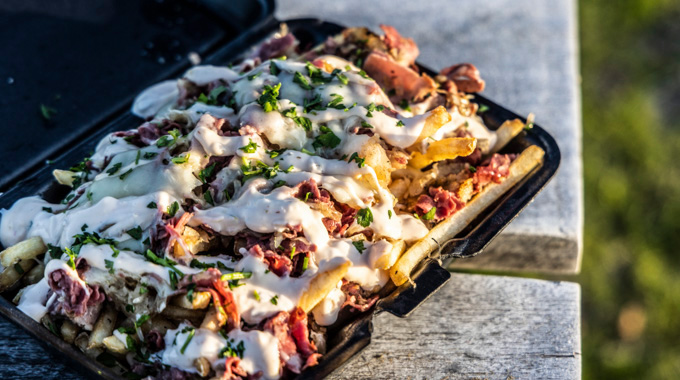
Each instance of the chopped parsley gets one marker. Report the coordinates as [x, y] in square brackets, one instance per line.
[152, 204]
[71, 257]
[336, 102]
[47, 209]
[389, 214]
[256, 295]
[136, 232]
[190, 292]
[342, 78]
[404, 105]
[173, 208]
[149, 155]
[301, 81]
[314, 104]
[230, 351]
[366, 125]
[143, 288]
[327, 139]
[47, 112]
[109, 265]
[430, 214]
[472, 169]
[359, 245]
[355, 157]
[130, 309]
[305, 263]
[211, 99]
[251, 77]
[180, 160]
[362, 72]
[400, 123]
[364, 217]
[372, 108]
[163, 262]
[302, 121]
[482, 108]
[317, 75]
[54, 251]
[167, 140]
[114, 168]
[269, 97]
[273, 68]
[250, 148]
[207, 196]
[124, 175]
[205, 173]
[274, 300]
[279, 183]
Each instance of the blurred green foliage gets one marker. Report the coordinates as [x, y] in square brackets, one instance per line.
[630, 64]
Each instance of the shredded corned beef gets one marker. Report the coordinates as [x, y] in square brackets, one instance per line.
[148, 132]
[404, 50]
[75, 298]
[154, 341]
[293, 334]
[280, 264]
[494, 170]
[356, 297]
[407, 83]
[315, 194]
[274, 47]
[465, 76]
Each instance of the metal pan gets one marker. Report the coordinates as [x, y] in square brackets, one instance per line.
[347, 340]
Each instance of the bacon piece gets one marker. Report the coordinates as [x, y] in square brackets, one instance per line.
[356, 298]
[404, 50]
[497, 168]
[465, 76]
[407, 83]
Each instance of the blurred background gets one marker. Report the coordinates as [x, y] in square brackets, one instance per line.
[630, 65]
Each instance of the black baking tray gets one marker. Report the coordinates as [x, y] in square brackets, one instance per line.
[428, 277]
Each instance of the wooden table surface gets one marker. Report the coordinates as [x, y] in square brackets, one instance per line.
[476, 327]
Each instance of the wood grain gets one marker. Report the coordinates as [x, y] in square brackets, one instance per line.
[481, 327]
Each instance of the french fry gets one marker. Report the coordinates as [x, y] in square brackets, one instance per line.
[69, 331]
[202, 366]
[160, 324]
[114, 345]
[321, 285]
[443, 149]
[211, 321]
[375, 156]
[437, 118]
[200, 300]
[387, 261]
[64, 177]
[10, 275]
[527, 161]
[177, 313]
[25, 250]
[506, 132]
[103, 327]
[36, 274]
[82, 341]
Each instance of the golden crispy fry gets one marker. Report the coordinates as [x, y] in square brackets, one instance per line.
[64, 177]
[103, 327]
[69, 331]
[321, 285]
[387, 261]
[200, 300]
[437, 118]
[506, 132]
[375, 156]
[211, 321]
[444, 149]
[196, 241]
[25, 250]
[114, 345]
[12, 274]
[464, 192]
[525, 163]
[202, 366]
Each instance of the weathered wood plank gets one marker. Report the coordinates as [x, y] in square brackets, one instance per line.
[527, 53]
[485, 327]
[476, 327]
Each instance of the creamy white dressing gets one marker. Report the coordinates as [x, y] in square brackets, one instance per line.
[261, 352]
[154, 98]
[116, 201]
